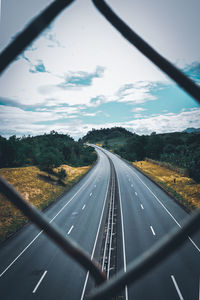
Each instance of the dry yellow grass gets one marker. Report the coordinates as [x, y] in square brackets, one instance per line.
[183, 188]
[37, 187]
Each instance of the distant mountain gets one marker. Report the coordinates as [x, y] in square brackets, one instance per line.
[190, 130]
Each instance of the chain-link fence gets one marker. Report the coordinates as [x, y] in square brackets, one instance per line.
[106, 288]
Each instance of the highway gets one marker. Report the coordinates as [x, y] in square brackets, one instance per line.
[147, 214]
[32, 267]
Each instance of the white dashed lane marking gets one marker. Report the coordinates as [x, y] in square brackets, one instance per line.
[152, 230]
[70, 229]
[39, 282]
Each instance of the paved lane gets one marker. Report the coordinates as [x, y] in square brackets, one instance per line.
[32, 267]
[148, 214]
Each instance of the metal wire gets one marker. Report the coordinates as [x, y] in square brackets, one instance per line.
[166, 245]
[179, 77]
[31, 32]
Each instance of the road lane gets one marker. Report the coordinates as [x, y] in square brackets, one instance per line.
[161, 213]
[42, 267]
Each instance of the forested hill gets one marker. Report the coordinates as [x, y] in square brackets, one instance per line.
[107, 134]
[46, 151]
[181, 149]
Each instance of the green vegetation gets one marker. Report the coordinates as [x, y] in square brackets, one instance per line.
[45, 151]
[179, 149]
[108, 137]
[41, 168]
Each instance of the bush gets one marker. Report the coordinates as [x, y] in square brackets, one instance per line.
[62, 174]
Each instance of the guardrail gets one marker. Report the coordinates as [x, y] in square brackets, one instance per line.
[166, 245]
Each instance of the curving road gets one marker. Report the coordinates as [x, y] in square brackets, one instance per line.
[32, 267]
[147, 214]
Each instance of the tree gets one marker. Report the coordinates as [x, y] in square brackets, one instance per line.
[49, 158]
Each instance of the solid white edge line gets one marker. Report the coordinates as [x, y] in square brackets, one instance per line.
[164, 207]
[152, 230]
[70, 229]
[16, 258]
[177, 288]
[39, 282]
[123, 235]
[92, 255]
[20, 253]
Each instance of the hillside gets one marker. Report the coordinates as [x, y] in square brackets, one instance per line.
[172, 180]
[109, 137]
[45, 151]
[41, 168]
[38, 188]
[181, 149]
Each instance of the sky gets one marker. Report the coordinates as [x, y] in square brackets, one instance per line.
[82, 74]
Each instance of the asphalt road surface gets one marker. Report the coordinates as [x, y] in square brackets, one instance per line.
[147, 214]
[32, 267]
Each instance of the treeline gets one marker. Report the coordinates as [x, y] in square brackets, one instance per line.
[106, 134]
[45, 151]
[179, 149]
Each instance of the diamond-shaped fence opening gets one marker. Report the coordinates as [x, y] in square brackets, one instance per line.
[166, 245]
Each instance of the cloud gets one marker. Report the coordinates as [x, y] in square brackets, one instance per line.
[50, 36]
[92, 114]
[96, 101]
[138, 109]
[36, 67]
[139, 92]
[67, 120]
[193, 71]
[39, 67]
[162, 123]
[81, 78]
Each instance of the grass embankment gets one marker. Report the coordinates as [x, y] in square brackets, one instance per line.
[37, 187]
[185, 190]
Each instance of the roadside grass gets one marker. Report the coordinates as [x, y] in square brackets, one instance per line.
[184, 189]
[38, 188]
